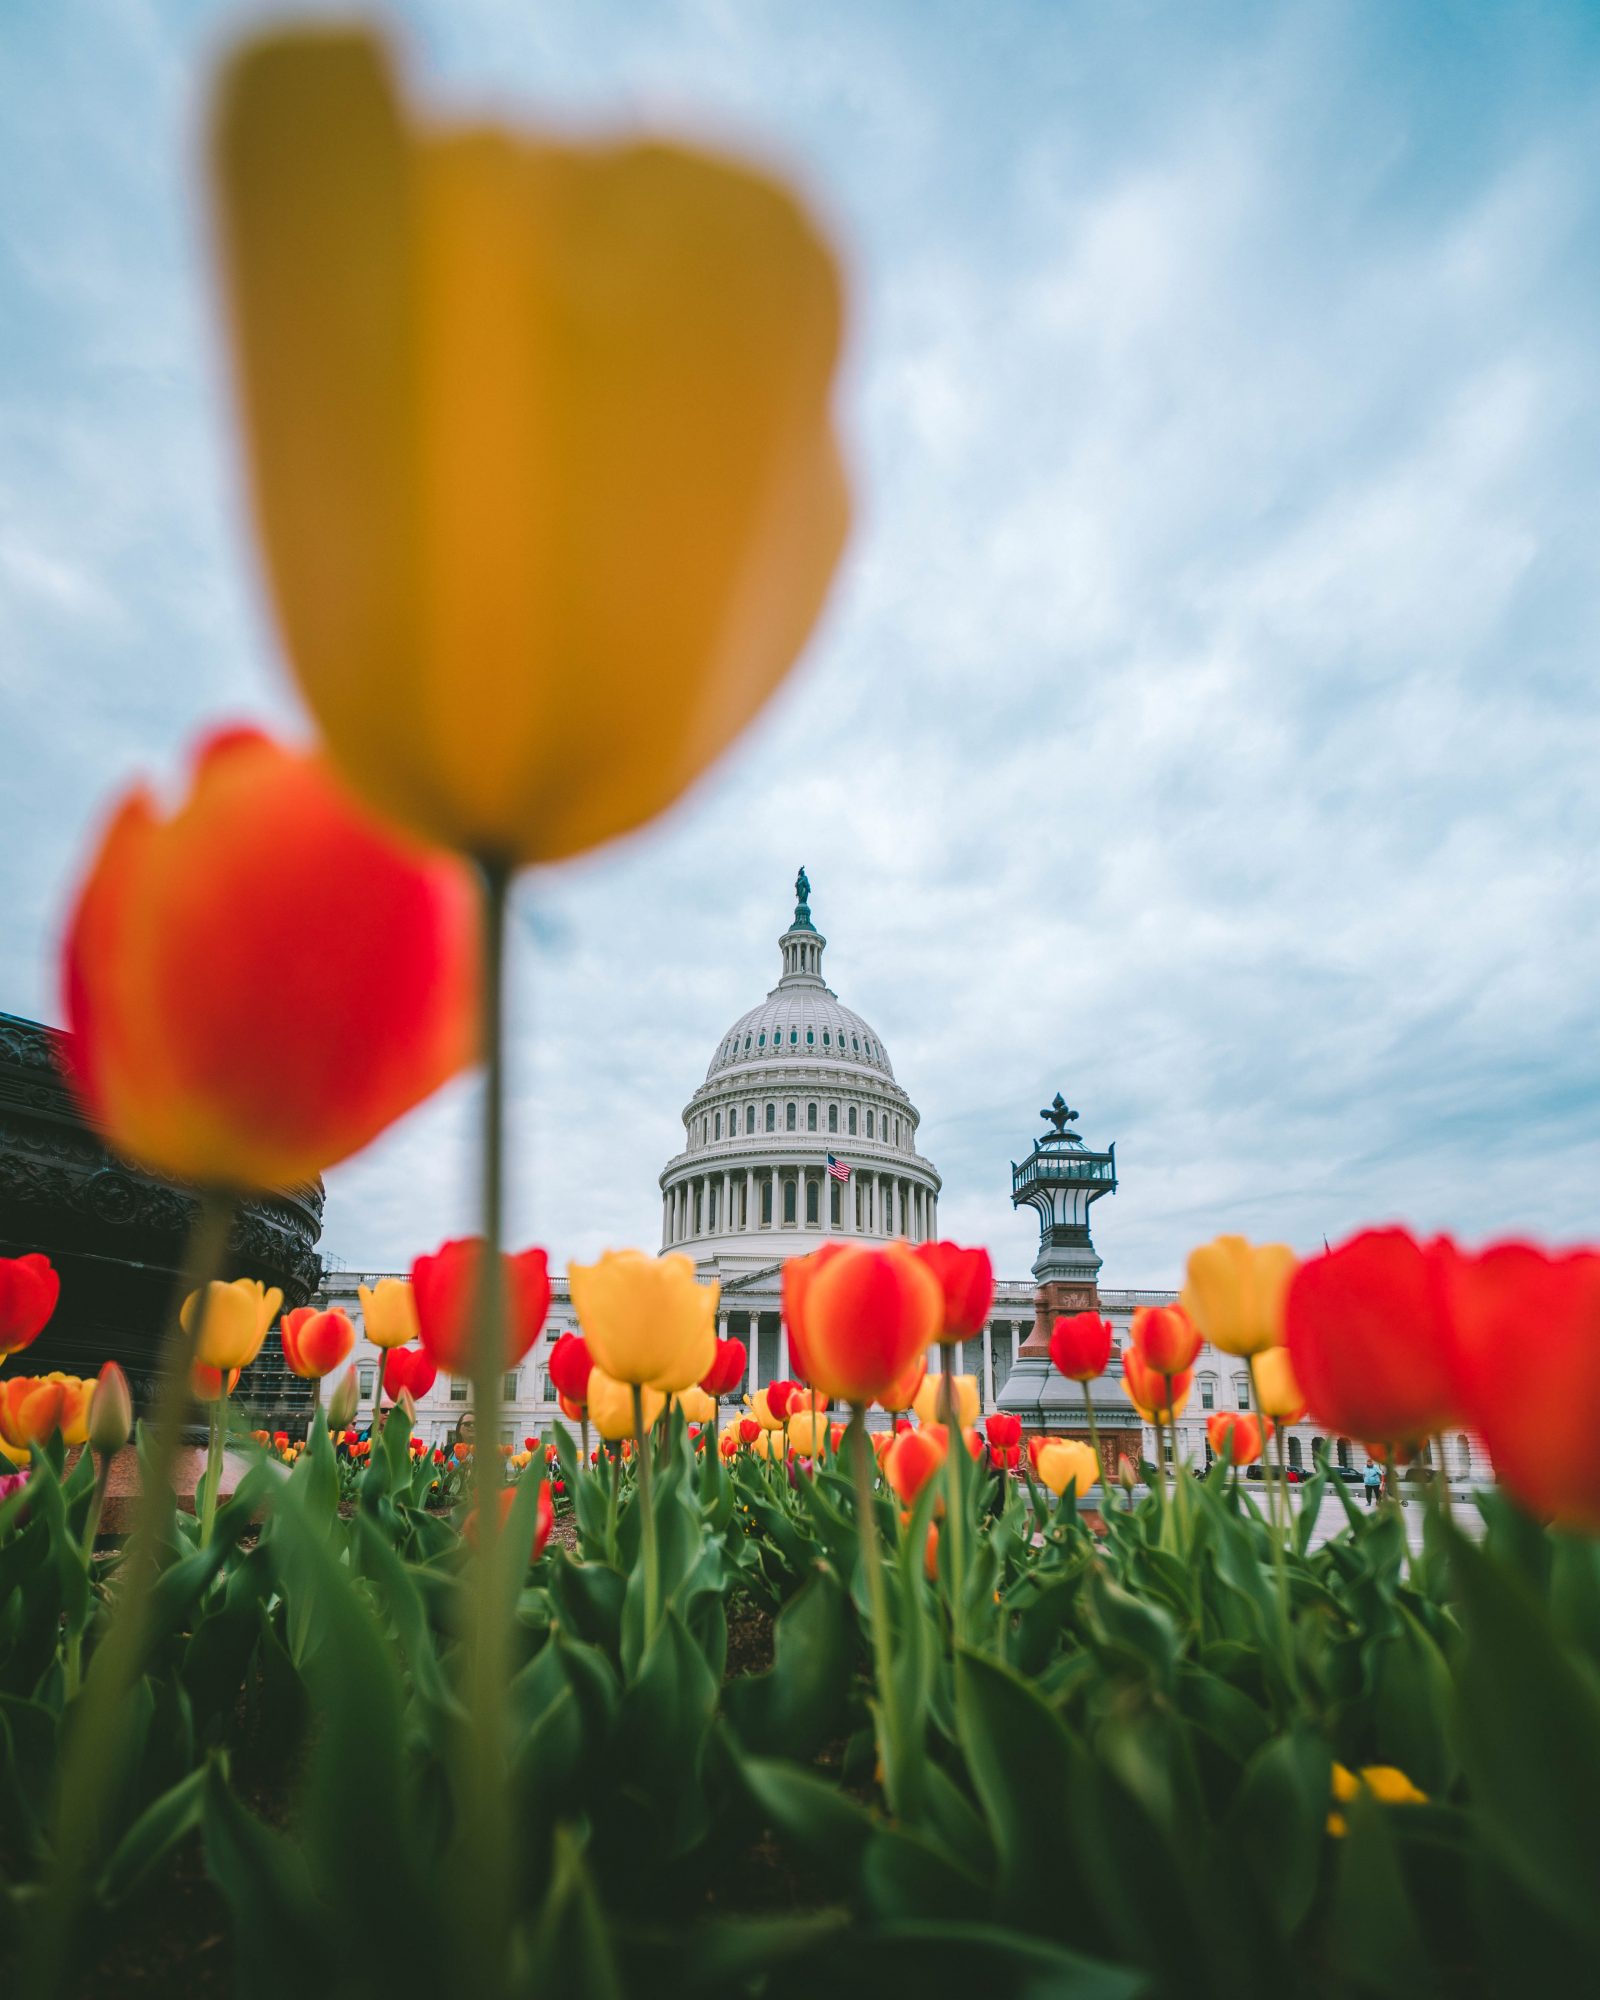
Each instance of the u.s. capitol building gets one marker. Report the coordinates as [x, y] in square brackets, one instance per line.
[800, 1135]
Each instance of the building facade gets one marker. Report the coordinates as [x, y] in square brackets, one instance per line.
[801, 1134]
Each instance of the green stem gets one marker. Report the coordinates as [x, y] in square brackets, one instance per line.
[92, 1760]
[647, 1522]
[891, 1744]
[613, 1554]
[1179, 1491]
[1094, 1445]
[487, 1845]
[954, 1504]
[1280, 1564]
[213, 1478]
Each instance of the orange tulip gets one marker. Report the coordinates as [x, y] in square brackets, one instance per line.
[912, 1460]
[1237, 1429]
[29, 1289]
[34, 1407]
[1148, 1391]
[1166, 1338]
[315, 1343]
[206, 1039]
[858, 1317]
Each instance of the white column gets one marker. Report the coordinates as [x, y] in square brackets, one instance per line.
[988, 1369]
[752, 1215]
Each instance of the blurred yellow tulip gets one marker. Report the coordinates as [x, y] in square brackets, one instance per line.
[926, 1403]
[539, 444]
[237, 1315]
[1235, 1292]
[1065, 1462]
[1277, 1393]
[808, 1433]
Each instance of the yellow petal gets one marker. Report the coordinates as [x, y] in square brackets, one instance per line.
[539, 445]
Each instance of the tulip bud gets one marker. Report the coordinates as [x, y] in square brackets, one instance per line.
[1125, 1477]
[110, 1410]
[342, 1404]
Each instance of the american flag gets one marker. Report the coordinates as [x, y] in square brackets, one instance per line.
[838, 1169]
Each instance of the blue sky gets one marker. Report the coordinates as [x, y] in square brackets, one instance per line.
[1206, 718]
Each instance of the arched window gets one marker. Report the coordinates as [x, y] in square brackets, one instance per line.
[852, 1121]
[794, 1038]
[1344, 1454]
[811, 1038]
[1464, 1453]
[788, 1200]
[1241, 1390]
[827, 1039]
[833, 1201]
[719, 1135]
[1294, 1454]
[811, 1202]
[1208, 1392]
[833, 1117]
[749, 1118]
[766, 1201]
[811, 1118]
[747, 1045]
[761, 1039]
[790, 1118]
[869, 1125]
[855, 1044]
[772, 1118]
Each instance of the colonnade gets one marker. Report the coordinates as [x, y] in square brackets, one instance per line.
[796, 1195]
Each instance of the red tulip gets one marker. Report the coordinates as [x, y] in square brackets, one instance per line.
[1005, 1458]
[727, 1370]
[1527, 1341]
[569, 1366]
[966, 1281]
[573, 1412]
[1003, 1428]
[1167, 1339]
[864, 1316]
[29, 1289]
[210, 1385]
[1369, 1336]
[1037, 1440]
[912, 1460]
[209, 1039]
[749, 1429]
[1242, 1430]
[315, 1343]
[902, 1394]
[445, 1284]
[408, 1369]
[1080, 1346]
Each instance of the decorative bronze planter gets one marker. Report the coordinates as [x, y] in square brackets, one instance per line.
[117, 1236]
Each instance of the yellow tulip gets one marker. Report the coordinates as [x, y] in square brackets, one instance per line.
[646, 1319]
[1387, 1783]
[772, 1443]
[237, 1316]
[807, 1433]
[389, 1312]
[1277, 1393]
[611, 1405]
[1065, 1462]
[925, 1404]
[697, 1406]
[539, 444]
[1235, 1292]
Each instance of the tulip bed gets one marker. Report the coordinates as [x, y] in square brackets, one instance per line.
[1122, 1779]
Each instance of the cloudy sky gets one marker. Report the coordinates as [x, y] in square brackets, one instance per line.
[1206, 721]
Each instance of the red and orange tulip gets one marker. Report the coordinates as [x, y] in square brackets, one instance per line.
[966, 1283]
[29, 1289]
[858, 1318]
[315, 1343]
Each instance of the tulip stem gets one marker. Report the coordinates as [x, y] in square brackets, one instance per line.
[613, 1554]
[955, 1523]
[213, 1475]
[647, 1522]
[891, 1742]
[1094, 1445]
[486, 1855]
[93, 1757]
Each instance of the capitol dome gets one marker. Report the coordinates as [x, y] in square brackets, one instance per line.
[800, 1132]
